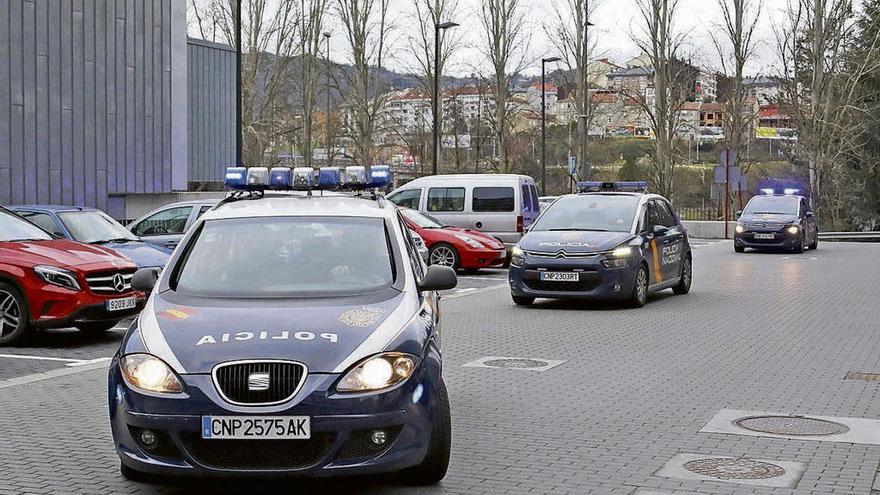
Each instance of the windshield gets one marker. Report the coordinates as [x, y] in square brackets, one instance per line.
[772, 205]
[14, 228]
[94, 226]
[287, 257]
[596, 212]
[420, 219]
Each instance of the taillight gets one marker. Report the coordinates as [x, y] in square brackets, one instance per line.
[519, 224]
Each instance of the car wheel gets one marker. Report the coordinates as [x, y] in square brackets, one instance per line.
[443, 255]
[433, 468]
[132, 474]
[799, 248]
[639, 296]
[14, 322]
[739, 249]
[687, 272]
[522, 300]
[815, 244]
[96, 327]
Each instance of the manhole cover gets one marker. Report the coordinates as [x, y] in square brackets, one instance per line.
[791, 425]
[515, 363]
[734, 469]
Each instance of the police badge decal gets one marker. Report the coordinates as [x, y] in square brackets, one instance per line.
[361, 317]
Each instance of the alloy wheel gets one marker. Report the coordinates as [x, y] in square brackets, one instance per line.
[642, 285]
[443, 256]
[10, 313]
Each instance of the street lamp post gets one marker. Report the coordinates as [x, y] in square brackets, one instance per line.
[436, 100]
[327, 111]
[238, 139]
[544, 62]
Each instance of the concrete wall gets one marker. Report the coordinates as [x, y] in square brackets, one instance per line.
[708, 230]
[92, 99]
[211, 126]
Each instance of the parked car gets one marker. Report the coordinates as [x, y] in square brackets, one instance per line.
[47, 282]
[502, 205]
[455, 247]
[545, 201]
[166, 226]
[93, 226]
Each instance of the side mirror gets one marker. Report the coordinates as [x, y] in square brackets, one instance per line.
[144, 280]
[660, 230]
[438, 278]
[739, 213]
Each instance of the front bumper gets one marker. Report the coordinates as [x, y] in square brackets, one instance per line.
[340, 429]
[595, 281]
[55, 307]
[482, 258]
[781, 239]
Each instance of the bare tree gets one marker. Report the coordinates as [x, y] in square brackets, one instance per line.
[660, 42]
[312, 14]
[366, 27]
[736, 46]
[506, 44]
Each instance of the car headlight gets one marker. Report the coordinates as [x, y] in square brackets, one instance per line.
[57, 276]
[621, 252]
[517, 256]
[149, 373]
[378, 372]
[793, 229]
[739, 228]
[470, 241]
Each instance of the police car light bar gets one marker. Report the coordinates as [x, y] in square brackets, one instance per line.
[352, 178]
[788, 191]
[621, 186]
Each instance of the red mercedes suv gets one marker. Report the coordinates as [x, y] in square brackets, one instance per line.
[49, 283]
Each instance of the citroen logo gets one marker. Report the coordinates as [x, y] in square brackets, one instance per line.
[118, 283]
[258, 382]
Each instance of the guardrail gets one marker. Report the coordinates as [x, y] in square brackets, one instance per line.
[850, 236]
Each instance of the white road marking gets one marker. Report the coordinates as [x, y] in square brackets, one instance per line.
[481, 278]
[472, 291]
[70, 362]
[56, 373]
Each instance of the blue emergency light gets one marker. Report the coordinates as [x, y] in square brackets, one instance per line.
[257, 178]
[620, 186]
[328, 178]
[352, 178]
[380, 176]
[279, 178]
[236, 178]
[304, 178]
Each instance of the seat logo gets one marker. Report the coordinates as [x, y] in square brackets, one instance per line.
[118, 283]
[258, 382]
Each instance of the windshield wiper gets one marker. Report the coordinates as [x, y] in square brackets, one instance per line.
[121, 240]
[771, 213]
[574, 229]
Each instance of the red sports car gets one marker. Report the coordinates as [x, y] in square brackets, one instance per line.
[451, 246]
[47, 282]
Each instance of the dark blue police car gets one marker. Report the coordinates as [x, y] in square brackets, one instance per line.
[290, 334]
[610, 241]
[777, 219]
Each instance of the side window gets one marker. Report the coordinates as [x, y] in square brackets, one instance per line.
[526, 198]
[536, 206]
[667, 217]
[412, 250]
[494, 199]
[805, 207]
[408, 198]
[43, 221]
[170, 221]
[652, 217]
[446, 199]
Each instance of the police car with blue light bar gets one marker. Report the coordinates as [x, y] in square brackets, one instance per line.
[295, 331]
[779, 218]
[612, 240]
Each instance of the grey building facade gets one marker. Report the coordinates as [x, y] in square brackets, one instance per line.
[95, 102]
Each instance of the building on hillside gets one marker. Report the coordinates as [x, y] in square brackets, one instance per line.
[597, 72]
[765, 89]
[706, 86]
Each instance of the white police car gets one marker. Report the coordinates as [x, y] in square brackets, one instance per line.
[610, 241]
[290, 334]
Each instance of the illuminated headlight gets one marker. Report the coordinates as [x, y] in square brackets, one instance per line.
[793, 229]
[517, 256]
[739, 228]
[57, 276]
[149, 373]
[621, 252]
[470, 241]
[378, 372]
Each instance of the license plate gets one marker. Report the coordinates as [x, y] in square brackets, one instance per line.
[257, 427]
[765, 236]
[120, 304]
[559, 276]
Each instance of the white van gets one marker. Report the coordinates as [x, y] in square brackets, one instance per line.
[503, 205]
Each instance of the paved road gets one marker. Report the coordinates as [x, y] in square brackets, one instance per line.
[759, 332]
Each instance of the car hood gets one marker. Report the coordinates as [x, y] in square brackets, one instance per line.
[142, 253]
[451, 232]
[769, 218]
[62, 253]
[573, 241]
[327, 335]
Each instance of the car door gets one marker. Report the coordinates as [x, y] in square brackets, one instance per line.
[494, 211]
[446, 204]
[673, 242]
[651, 244]
[165, 227]
[808, 220]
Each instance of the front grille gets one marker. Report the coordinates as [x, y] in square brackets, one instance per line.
[244, 382]
[562, 254]
[115, 282]
[260, 454]
[587, 281]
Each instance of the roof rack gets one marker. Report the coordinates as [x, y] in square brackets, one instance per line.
[619, 186]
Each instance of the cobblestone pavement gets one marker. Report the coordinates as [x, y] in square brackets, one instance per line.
[759, 332]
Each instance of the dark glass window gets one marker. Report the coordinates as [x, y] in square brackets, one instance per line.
[446, 199]
[408, 198]
[494, 199]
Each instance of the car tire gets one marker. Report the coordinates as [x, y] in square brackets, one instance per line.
[815, 244]
[739, 249]
[132, 474]
[14, 321]
[799, 248]
[522, 300]
[444, 255]
[433, 468]
[639, 296]
[687, 276]
[96, 326]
